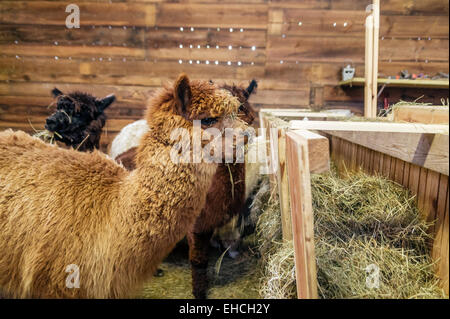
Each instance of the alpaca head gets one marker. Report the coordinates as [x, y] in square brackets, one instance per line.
[246, 112]
[78, 117]
[187, 101]
[210, 106]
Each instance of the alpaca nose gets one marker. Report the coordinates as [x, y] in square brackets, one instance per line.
[50, 124]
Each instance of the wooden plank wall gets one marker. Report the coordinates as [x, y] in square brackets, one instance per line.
[296, 50]
[430, 188]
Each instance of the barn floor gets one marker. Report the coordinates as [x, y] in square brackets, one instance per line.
[237, 278]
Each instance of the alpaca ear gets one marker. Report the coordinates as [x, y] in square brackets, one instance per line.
[182, 94]
[253, 85]
[56, 92]
[105, 102]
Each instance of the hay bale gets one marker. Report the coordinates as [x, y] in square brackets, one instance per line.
[359, 220]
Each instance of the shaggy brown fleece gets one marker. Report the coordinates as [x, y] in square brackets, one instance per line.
[221, 204]
[60, 207]
[225, 199]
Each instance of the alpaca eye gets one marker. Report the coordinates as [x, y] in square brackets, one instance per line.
[241, 108]
[209, 121]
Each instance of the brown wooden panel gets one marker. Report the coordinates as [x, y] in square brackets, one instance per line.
[53, 13]
[394, 7]
[30, 90]
[414, 26]
[171, 37]
[211, 15]
[413, 7]
[345, 49]
[422, 189]
[300, 98]
[80, 52]
[430, 200]
[85, 35]
[322, 23]
[115, 72]
[317, 49]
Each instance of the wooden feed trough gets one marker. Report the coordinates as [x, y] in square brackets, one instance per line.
[413, 155]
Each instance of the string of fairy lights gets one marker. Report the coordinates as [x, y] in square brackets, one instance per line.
[246, 49]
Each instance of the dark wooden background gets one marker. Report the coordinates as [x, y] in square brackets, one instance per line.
[296, 49]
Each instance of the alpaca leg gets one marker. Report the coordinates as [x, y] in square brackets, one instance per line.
[198, 257]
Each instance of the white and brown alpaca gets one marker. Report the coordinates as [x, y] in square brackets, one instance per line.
[60, 207]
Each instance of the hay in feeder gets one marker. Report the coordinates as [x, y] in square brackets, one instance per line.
[359, 221]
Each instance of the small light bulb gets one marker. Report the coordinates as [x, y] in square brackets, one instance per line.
[231, 29]
[198, 46]
[198, 62]
[253, 48]
[181, 29]
[192, 29]
[206, 62]
[239, 63]
[56, 58]
[300, 23]
[217, 62]
[345, 24]
[190, 61]
[229, 62]
[334, 24]
[230, 47]
[242, 30]
[181, 46]
[180, 61]
[217, 46]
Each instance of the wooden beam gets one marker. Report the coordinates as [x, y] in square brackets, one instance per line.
[418, 83]
[376, 34]
[368, 69]
[302, 214]
[420, 144]
[425, 114]
[369, 127]
[318, 163]
[287, 114]
[425, 150]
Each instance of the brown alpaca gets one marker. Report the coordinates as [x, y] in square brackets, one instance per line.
[60, 207]
[221, 205]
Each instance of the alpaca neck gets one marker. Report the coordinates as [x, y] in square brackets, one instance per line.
[162, 199]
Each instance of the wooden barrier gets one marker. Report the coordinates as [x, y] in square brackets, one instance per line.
[298, 165]
[425, 114]
[412, 155]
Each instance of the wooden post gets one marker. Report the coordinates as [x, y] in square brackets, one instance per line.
[318, 150]
[376, 34]
[298, 165]
[368, 67]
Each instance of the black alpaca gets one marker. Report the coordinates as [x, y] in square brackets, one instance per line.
[79, 119]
